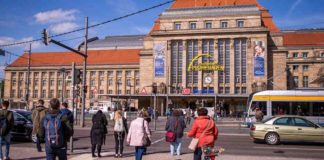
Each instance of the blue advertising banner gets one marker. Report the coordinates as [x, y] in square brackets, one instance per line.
[259, 50]
[159, 60]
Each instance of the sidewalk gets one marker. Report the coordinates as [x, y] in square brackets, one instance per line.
[166, 156]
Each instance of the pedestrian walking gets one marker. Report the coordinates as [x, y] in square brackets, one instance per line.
[120, 129]
[70, 117]
[6, 124]
[38, 115]
[139, 135]
[205, 130]
[98, 132]
[57, 132]
[175, 126]
[188, 116]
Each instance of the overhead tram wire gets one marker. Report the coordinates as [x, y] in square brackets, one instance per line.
[91, 26]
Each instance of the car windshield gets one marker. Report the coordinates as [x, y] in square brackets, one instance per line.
[268, 119]
[27, 115]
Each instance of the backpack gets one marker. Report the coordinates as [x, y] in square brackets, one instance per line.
[54, 134]
[3, 125]
[119, 125]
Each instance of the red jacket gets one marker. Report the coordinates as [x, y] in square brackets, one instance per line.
[198, 127]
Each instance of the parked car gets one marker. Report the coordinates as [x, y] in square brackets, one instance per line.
[287, 128]
[23, 125]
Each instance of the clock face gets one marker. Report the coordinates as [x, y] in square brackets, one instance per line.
[208, 79]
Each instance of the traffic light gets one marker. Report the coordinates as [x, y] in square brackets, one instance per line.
[154, 88]
[77, 76]
[46, 38]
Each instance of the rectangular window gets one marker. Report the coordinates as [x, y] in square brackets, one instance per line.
[224, 60]
[59, 82]
[224, 24]
[322, 54]
[35, 94]
[51, 94]
[119, 73]
[237, 90]
[176, 62]
[137, 82]
[92, 73]
[128, 73]
[13, 93]
[287, 55]
[36, 74]
[59, 93]
[221, 90]
[227, 90]
[110, 91]
[305, 54]
[305, 67]
[110, 73]
[36, 82]
[101, 91]
[51, 74]
[119, 82]
[43, 93]
[43, 82]
[92, 82]
[243, 90]
[110, 82]
[192, 51]
[177, 25]
[192, 25]
[295, 55]
[67, 93]
[13, 82]
[52, 82]
[101, 81]
[137, 74]
[296, 81]
[295, 67]
[208, 24]
[128, 91]
[240, 23]
[101, 73]
[305, 81]
[240, 49]
[20, 93]
[21, 74]
[119, 92]
[128, 82]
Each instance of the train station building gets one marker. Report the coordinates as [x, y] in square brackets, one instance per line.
[198, 53]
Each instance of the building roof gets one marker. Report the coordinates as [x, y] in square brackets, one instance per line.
[302, 38]
[265, 15]
[95, 57]
[115, 42]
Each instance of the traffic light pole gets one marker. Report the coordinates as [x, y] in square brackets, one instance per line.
[84, 80]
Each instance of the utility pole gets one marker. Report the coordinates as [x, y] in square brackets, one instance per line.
[28, 77]
[84, 76]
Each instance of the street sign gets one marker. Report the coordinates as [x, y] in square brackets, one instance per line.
[186, 91]
[143, 91]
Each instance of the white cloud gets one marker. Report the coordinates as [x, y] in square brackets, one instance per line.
[293, 7]
[123, 6]
[142, 30]
[63, 27]
[54, 16]
[6, 40]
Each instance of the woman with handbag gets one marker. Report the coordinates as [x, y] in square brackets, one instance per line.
[174, 127]
[139, 135]
[204, 133]
[120, 129]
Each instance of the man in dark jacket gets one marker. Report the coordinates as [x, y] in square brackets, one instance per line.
[37, 115]
[53, 152]
[98, 132]
[176, 124]
[7, 116]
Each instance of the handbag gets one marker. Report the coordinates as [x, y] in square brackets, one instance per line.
[194, 142]
[170, 136]
[146, 139]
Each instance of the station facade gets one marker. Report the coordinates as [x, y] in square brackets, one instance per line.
[199, 53]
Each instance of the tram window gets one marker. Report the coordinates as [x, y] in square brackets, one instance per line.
[280, 108]
[301, 108]
[318, 109]
[259, 104]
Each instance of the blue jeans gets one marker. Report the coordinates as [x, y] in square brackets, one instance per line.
[175, 146]
[6, 140]
[51, 154]
[139, 152]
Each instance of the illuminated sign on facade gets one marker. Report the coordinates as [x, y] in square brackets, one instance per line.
[206, 66]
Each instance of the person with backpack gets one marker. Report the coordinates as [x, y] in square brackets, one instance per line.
[57, 131]
[139, 135]
[6, 124]
[98, 132]
[175, 126]
[120, 129]
[38, 115]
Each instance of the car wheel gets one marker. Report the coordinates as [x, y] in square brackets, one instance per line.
[272, 138]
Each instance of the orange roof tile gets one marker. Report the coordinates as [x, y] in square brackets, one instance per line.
[303, 39]
[266, 17]
[95, 57]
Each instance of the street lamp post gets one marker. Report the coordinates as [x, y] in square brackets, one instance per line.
[118, 106]
[63, 71]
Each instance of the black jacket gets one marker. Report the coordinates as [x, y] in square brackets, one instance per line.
[177, 125]
[9, 115]
[98, 133]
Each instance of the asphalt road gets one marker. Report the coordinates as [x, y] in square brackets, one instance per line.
[235, 140]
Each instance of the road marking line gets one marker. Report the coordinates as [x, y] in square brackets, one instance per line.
[301, 149]
[157, 141]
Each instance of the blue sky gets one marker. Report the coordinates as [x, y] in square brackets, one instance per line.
[24, 19]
